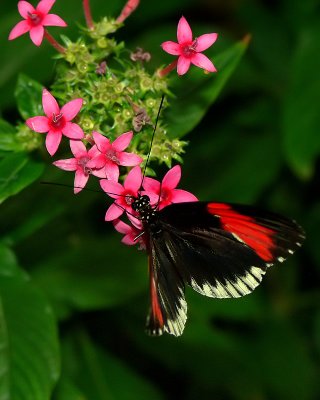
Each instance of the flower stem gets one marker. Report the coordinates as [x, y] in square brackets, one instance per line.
[53, 42]
[87, 14]
[165, 71]
[128, 9]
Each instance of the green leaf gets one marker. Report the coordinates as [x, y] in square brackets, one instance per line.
[247, 171]
[100, 375]
[36, 219]
[301, 113]
[8, 138]
[195, 95]
[29, 97]
[104, 279]
[17, 171]
[29, 356]
[66, 390]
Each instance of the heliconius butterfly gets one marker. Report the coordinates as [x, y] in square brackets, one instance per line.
[220, 250]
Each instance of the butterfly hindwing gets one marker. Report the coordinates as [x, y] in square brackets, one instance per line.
[168, 310]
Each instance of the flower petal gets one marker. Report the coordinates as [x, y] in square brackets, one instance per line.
[21, 28]
[36, 34]
[129, 159]
[205, 41]
[44, 6]
[78, 148]
[134, 220]
[99, 173]
[53, 20]
[72, 131]
[123, 141]
[112, 188]
[53, 140]
[151, 185]
[25, 8]
[183, 65]
[202, 61]
[133, 179]
[69, 164]
[122, 227]
[93, 151]
[154, 197]
[181, 196]
[99, 161]
[184, 32]
[172, 178]
[129, 239]
[113, 212]
[112, 171]
[38, 124]
[49, 104]
[80, 181]
[101, 141]
[171, 48]
[71, 109]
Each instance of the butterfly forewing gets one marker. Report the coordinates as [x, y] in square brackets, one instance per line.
[224, 250]
[220, 250]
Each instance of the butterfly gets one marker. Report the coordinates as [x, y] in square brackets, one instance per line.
[221, 250]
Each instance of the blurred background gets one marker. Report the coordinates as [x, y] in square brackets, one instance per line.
[258, 144]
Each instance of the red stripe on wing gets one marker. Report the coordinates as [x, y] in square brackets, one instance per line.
[258, 237]
[156, 311]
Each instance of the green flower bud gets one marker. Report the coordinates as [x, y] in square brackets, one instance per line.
[82, 68]
[28, 139]
[151, 103]
[102, 43]
[87, 124]
[146, 84]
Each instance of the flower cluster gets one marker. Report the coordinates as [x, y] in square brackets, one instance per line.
[160, 194]
[99, 98]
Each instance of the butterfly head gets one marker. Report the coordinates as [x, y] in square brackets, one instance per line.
[142, 205]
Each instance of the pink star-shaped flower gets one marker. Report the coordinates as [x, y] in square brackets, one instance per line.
[189, 50]
[35, 19]
[78, 164]
[112, 155]
[169, 193]
[56, 122]
[130, 234]
[124, 195]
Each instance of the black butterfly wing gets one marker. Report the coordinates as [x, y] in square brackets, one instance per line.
[223, 250]
[168, 309]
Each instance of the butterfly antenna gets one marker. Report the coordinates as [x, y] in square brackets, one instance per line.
[79, 187]
[153, 133]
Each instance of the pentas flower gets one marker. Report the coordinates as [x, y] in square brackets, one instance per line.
[124, 195]
[57, 122]
[79, 164]
[130, 234]
[190, 50]
[112, 155]
[35, 19]
[169, 193]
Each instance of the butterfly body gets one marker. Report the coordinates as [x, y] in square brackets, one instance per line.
[220, 250]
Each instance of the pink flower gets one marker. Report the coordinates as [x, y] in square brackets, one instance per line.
[124, 195]
[169, 193]
[35, 19]
[78, 164]
[189, 50]
[57, 122]
[130, 234]
[112, 155]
